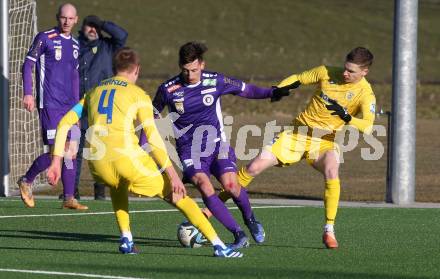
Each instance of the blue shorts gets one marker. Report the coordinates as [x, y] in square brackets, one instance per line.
[216, 163]
[49, 119]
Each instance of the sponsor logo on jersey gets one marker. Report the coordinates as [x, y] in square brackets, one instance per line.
[173, 88]
[209, 82]
[178, 94]
[349, 95]
[75, 54]
[208, 100]
[210, 90]
[57, 42]
[209, 75]
[53, 35]
[179, 107]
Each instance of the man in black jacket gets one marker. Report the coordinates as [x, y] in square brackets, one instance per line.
[95, 64]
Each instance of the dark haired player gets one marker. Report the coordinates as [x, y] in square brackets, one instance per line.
[194, 95]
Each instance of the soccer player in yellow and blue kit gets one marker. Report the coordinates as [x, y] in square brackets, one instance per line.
[341, 93]
[115, 158]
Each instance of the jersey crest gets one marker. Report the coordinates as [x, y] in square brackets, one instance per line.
[179, 107]
[208, 100]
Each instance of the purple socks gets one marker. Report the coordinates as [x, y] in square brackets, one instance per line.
[221, 213]
[67, 172]
[243, 204]
[39, 165]
[68, 175]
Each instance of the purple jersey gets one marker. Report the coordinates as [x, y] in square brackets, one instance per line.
[56, 74]
[198, 105]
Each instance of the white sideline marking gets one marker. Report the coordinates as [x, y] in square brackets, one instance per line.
[132, 211]
[67, 274]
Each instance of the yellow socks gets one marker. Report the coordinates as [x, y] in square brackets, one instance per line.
[331, 199]
[193, 213]
[244, 178]
[120, 207]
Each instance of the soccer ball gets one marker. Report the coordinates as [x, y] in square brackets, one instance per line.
[189, 236]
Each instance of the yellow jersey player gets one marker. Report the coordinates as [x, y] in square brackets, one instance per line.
[115, 158]
[341, 93]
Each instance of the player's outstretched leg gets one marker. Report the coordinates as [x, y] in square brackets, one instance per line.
[40, 164]
[193, 213]
[119, 198]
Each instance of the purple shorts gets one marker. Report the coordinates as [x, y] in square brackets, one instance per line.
[216, 163]
[49, 119]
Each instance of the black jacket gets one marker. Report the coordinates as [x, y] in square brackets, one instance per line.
[95, 57]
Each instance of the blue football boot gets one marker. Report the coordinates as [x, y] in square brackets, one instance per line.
[127, 247]
[240, 241]
[256, 229]
[226, 253]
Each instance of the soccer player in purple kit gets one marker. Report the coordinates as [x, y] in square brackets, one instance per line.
[55, 54]
[201, 143]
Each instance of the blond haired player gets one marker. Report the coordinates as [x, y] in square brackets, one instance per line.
[340, 94]
[117, 160]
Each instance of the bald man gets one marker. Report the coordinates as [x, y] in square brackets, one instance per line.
[54, 53]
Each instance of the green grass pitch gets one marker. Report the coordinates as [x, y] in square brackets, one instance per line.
[374, 243]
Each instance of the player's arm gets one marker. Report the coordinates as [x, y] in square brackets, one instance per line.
[159, 152]
[68, 120]
[307, 77]
[75, 82]
[294, 81]
[158, 105]
[240, 88]
[275, 93]
[159, 101]
[34, 53]
[158, 149]
[368, 110]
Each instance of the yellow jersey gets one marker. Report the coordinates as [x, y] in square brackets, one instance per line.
[354, 97]
[114, 108]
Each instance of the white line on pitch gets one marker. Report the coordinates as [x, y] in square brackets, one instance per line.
[131, 211]
[67, 274]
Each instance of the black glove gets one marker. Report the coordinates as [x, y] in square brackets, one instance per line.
[93, 21]
[279, 92]
[338, 110]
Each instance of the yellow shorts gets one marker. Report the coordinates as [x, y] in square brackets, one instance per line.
[139, 173]
[289, 147]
